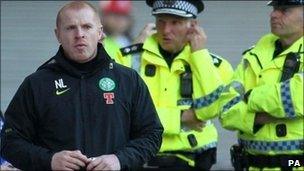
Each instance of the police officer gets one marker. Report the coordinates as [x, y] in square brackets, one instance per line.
[185, 81]
[265, 99]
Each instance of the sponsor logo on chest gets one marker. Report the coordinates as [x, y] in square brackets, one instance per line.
[107, 85]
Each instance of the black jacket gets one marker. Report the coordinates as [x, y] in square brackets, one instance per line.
[60, 107]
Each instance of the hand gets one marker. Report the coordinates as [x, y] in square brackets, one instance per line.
[104, 162]
[148, 30]
[264, 118]
[68, 160]
[190, 120]
[196, 37]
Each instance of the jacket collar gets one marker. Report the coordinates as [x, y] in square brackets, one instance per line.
[60, 62]
[266, 45]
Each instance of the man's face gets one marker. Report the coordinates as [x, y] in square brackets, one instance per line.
[287, 22]
[116, 24]
[172, 32]
[78, 32]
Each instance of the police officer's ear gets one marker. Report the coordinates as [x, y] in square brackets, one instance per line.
[193, 22]
[57, 35]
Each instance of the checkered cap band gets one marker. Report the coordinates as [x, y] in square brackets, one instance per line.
[266, 146]
[286, 99]
[180, 8]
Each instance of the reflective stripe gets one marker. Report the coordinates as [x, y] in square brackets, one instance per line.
[238, 86]
[207, 146]
[1, 122]
[286, 99]
[208, 99]
[273, 145]
[187, 102]
[231, 103]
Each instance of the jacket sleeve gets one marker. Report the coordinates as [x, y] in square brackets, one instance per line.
[18, 135]
[210, 85]
[281, 100]
[146, 129]
[234, 113]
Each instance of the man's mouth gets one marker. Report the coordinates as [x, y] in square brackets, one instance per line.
[80, 46]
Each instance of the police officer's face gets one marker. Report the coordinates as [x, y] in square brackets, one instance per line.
[78, 32]
[172, 32]
[287, 22]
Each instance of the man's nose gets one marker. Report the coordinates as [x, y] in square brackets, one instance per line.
[167, 28]
[79, 33]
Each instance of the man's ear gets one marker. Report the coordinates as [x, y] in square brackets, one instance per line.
[57, 35]
[100, 33]
[194, 22]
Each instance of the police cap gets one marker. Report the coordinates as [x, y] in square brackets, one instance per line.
[182, 8]
[285, 2]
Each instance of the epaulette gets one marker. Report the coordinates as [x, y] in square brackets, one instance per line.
[216, 60]
[247, 50]
[131, 49]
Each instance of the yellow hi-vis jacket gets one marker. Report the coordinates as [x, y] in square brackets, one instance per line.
[164, 87]
[113, 49]
[261, 73]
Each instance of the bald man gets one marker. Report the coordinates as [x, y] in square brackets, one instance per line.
[80, 110]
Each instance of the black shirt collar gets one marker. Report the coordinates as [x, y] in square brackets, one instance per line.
[169, 57]
[278, 48]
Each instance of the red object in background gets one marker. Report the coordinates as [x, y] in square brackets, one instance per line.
[117, 7]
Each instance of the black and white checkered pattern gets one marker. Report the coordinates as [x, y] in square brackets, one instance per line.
[180, 8]
[265, 146]
[185, 102]
[208, 99]
[231, 103]
[286, 99]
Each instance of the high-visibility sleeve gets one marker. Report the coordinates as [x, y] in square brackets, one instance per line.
[210, 84]
[234, 113]
[281, 100]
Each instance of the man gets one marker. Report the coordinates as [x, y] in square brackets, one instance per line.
[117, 23]
[80, 110]
[184, 83]
[264, 102]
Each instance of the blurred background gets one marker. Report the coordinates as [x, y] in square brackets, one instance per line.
[28, 40]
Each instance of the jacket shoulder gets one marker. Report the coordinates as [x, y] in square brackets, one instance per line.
[124, 70]
[264, 40]
[47, 63]
[247, 50]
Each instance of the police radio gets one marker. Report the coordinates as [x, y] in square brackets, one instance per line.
[291, 65]
[186, 88]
